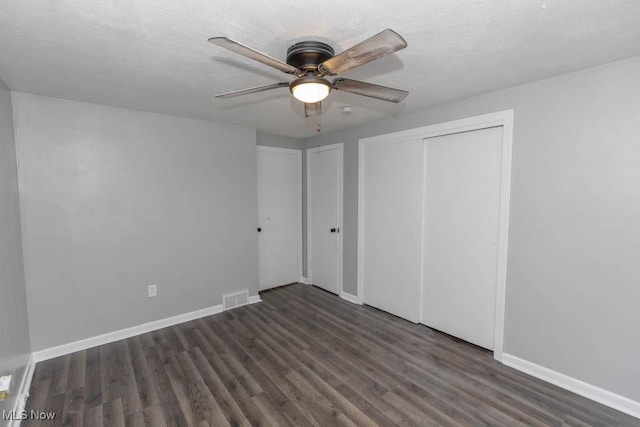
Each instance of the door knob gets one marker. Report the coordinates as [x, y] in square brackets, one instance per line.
[259, 229]
[335, 230]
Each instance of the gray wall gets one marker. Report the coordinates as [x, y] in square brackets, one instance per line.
[573, 273]
[114, 200]
[269, 140]
[14, 328]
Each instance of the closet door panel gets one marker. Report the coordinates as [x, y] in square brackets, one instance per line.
[392, 226]
[462, 218]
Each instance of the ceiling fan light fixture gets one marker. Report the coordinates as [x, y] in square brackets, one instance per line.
[310, 89]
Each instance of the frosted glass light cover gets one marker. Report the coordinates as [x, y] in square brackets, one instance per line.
[311, 92]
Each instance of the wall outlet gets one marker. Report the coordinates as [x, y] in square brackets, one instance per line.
[153, 290]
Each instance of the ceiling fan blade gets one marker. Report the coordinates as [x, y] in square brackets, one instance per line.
[368, 89]
[382, 44]
[312, 109]
[250, 53]
[252, 90]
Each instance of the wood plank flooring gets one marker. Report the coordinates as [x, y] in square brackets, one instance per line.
[302, 357]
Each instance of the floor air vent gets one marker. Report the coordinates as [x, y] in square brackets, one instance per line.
[235, 299]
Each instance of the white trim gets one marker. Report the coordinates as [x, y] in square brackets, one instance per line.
[503, 233]
[340, 215]
[298, 154]
[304, 280]
[349, 297]
[359, 255]
[300, 258]
[27, 376]
[456, 126]
[23, 392]
[422, 229]
[501, 118]
[279, 149]
[608, 398]
[109, 337]
[340, 147]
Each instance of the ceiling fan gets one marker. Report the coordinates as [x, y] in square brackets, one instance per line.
[311, 62]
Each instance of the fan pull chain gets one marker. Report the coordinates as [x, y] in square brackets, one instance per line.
[318, 128]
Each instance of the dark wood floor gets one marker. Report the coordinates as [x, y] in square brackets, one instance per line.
[301, 357]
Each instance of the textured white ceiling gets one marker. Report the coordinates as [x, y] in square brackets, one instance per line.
[153, 55]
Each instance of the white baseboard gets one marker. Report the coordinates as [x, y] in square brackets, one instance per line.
[304, 280]
[109, 337]
[23, 391]
[351, 298]
[613, 400]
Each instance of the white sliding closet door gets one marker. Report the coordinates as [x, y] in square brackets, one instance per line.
[279, 216]
[433, 221]
[391, 227]
[462, 219]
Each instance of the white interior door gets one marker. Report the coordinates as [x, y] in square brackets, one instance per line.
[391, 243]
[279, 216]
[324, 209]
[462, 219]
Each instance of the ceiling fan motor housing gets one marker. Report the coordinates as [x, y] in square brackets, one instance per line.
[307, 55]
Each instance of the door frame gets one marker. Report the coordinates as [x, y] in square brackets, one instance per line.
[298, 154]
[340, 147]
[501, 118]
